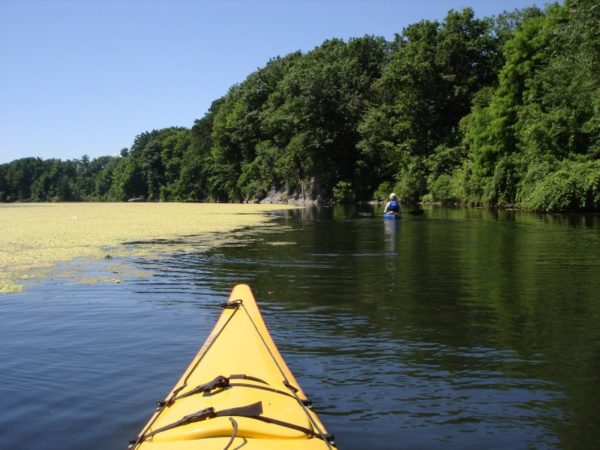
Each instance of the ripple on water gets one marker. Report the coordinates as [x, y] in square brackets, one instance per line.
[427, 335]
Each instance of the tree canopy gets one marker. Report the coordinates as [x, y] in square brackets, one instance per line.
[488, 111]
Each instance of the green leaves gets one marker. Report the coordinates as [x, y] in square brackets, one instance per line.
[572, 185]
[426, 88]
[543, 114]
[490, 111]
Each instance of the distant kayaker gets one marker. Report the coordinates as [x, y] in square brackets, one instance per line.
[392, 207]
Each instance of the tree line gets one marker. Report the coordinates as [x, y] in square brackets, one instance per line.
[491, 111]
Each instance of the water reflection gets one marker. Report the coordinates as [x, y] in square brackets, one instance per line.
[390, 229]
[458, 328]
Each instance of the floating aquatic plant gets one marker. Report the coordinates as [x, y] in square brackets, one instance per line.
[35, 237]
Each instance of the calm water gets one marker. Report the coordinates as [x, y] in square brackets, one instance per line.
[456, 329]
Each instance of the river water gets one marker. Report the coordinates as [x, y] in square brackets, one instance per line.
[454, 329]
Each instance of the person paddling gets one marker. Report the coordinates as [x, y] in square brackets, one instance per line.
[392, 207]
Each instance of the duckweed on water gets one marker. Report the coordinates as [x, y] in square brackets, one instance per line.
[35, 237]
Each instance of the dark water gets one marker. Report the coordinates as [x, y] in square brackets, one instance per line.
[456, 329]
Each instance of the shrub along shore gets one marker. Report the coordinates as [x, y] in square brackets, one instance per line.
[489, 111]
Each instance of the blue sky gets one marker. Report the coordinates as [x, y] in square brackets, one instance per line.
[86, 76]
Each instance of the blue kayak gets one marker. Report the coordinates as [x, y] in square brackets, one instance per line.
[392, 216]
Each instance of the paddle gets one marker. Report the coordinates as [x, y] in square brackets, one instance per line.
[412, 212]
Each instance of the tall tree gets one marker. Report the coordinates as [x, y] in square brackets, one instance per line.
[434, 71]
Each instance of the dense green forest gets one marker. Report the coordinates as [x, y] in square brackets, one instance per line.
[483, 111]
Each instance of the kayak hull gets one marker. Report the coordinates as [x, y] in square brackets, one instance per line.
[237, 391]
[391, 216]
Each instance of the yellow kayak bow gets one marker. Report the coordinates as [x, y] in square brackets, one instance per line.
[237, 393]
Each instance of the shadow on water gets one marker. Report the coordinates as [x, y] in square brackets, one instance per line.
[457, 328]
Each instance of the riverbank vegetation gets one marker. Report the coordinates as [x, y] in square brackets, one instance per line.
[483, 111]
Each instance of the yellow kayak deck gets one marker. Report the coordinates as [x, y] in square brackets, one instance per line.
[237, 393]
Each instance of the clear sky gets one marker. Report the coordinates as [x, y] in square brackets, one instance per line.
[86, 76]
